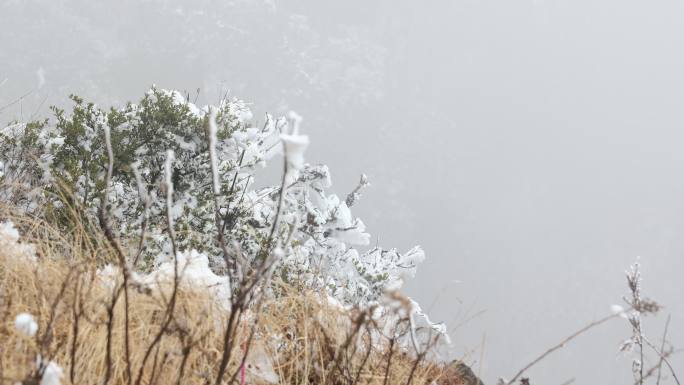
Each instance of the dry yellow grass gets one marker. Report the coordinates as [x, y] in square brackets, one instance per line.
[303, 338]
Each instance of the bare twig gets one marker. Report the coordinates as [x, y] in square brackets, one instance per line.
[17, 100]
[116, 292]
[662, 349]
[561, 344]
[664, 358]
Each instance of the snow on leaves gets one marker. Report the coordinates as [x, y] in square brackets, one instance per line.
[323, 244]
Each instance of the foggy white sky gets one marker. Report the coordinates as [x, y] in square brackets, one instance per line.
[533, 148]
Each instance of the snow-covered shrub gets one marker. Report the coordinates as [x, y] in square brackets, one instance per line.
[324, 246]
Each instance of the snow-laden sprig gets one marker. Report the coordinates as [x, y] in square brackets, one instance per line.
[634, 283]
[294, 146]
[638, 307]
[354, 196]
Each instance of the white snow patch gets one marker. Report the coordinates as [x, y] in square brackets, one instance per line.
[294, 147]
[195, 272]
[9, 243]
[25, 324]
[52, 373]
[260, 366]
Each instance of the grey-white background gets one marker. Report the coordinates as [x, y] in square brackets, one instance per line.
[532, 147]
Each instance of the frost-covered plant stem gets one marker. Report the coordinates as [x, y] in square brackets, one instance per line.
[260, 276]
[116, 293]
[147, 202]
[104, 211]
[634, 284]
[171, 305]
[168, 178]
[231, 266]
[412, 326]
[353, 196]
[279, 206]
[640, 342]
[212, 152]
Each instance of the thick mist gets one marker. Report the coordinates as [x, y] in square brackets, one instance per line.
[533, 148]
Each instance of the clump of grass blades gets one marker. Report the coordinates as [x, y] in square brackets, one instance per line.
[296, 337]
